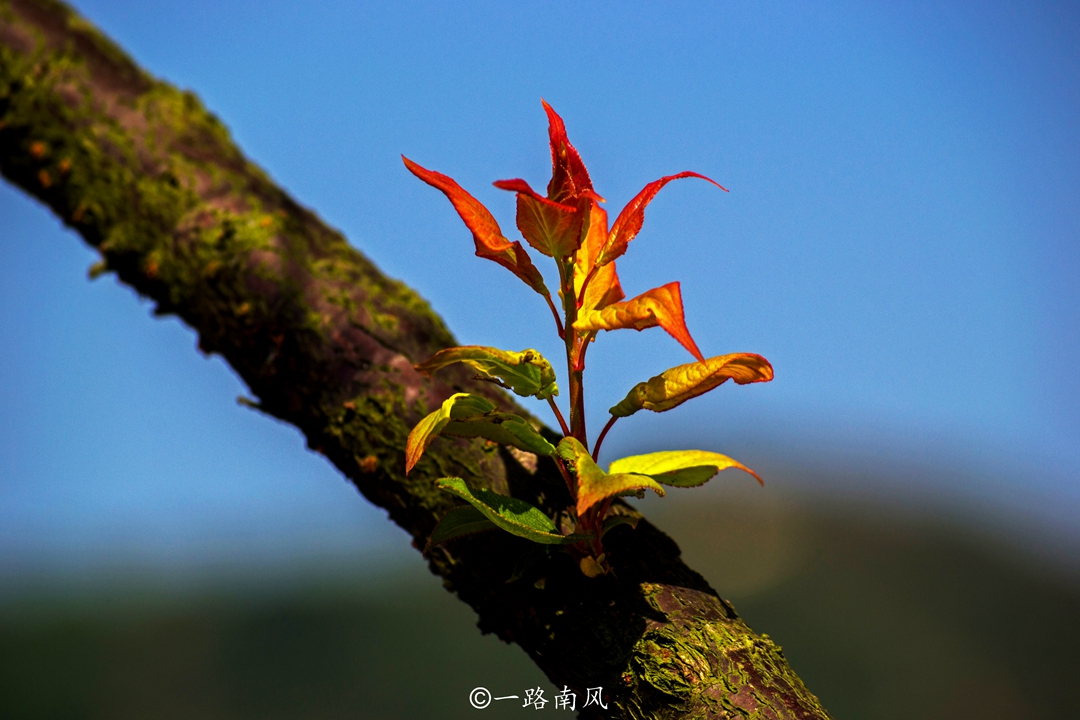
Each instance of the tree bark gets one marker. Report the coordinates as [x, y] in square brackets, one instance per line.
[326, 342]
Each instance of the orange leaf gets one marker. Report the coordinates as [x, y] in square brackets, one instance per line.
[550, 227]
[490, 242]
[603, 288]
[660, 306]
[569, 178]
[629, 222]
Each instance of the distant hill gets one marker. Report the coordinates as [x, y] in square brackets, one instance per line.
[884, 615]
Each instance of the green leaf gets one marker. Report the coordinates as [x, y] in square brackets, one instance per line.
[676, 385]
[503, 428]
[517, 517]
[616, 520]
[464, 520]
[526, 373]
[593, 484]
[679, 468]
[466, 415]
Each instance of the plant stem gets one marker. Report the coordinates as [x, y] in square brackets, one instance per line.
[603, 434]
[586, 341]
[558, 416]
[573, 347]
[555, 313]
[577, 399]
[566, 476]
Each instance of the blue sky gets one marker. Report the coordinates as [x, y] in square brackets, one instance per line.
[900, 240]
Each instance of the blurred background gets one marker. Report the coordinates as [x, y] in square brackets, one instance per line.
[900, 240]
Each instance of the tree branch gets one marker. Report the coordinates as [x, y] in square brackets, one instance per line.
[326, 342]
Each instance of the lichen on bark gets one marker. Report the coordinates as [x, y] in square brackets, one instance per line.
[152, 180]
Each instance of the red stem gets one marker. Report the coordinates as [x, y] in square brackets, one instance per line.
[555, 313]
[559, 416]
[603, 434]
[586, 341]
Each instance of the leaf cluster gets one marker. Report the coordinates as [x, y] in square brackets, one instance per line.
[569, 225]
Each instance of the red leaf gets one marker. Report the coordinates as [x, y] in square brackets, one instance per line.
[629, 222]
[519, 186]
[569, 178]
[660, 306]
[490, 242]
[550, 227]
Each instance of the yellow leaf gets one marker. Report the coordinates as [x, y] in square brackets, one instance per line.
[433, 424]
[590, 567]
[593, 484]
[675, 386]
[679, 468]
[603, 288]
[465, 415]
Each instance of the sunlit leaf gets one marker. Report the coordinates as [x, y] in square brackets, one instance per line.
[552, 228]
[603, 288]
[660, 306]
[593, 483]
[512, 515]
[569, 178]
[466, 415]
[526, 373]
[460, 521]
[629, 222]
[679, 468]
[432, 425]
[488, 237]
[675, 386]
[503, 428]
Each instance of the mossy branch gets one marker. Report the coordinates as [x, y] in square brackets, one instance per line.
[326, 342]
